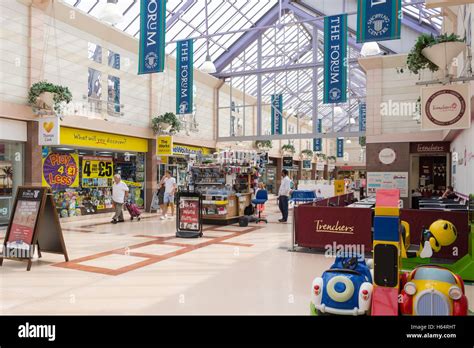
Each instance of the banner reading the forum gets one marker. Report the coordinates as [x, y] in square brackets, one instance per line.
[335, 57]
[277, 114]
[152, 36]
[318, 142]
[378, 20]
[184, 77]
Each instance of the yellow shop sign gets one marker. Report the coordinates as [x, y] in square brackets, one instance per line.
[339, 187]
[100, 140]
[164, 145]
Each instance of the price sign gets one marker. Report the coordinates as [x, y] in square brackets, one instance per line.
[97, 171]
[97, 167]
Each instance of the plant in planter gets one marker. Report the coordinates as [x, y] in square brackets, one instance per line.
[307, 153]
[332, 158]
[321, 156]
[418, 57]
[263, 144]
[288, 148]
[167, 123]
[47, 96]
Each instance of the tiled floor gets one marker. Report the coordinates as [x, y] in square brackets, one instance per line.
[142, 268]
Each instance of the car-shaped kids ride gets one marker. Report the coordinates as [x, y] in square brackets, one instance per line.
[344, 289]
[432, 290]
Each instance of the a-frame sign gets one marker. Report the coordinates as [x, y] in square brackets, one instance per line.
[33, 224]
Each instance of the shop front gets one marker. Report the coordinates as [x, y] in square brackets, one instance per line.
[306, 169]
[80, 170]
[13, 135]
[178, 163]
[430, 167]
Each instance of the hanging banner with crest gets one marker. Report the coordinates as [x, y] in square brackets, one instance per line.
[184, 77]
[152, 36]
[378, 20]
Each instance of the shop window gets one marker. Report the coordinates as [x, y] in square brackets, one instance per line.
[114, 60]
[95, 52]
[94, 88]
[11, 176]
[113, 100]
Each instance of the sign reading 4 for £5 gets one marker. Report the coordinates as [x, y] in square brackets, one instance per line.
[378, 20]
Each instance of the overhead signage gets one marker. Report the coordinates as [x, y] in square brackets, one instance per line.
[446, 107]
[277, 114]
[101, 140]
[97, 171]
[378, 20]
[164, 145]
[307, 164]
[34, 223]
[362, 117]
[184, 77]
[430, 147]
[287, 162]
[61, 171]
[179, 149]
[48, 131]
[318, 142]
[152, 36]
[335, 59]
[340, 147]
[388, 180]
[387, 156]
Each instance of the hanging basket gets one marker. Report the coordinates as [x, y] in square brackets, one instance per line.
[45, 101]
[442, 54]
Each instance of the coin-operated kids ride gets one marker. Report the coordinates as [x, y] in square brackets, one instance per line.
[344, 289]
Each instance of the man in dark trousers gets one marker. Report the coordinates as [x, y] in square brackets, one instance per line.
[284, 195]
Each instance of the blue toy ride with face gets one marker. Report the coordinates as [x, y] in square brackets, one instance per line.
[344, 289]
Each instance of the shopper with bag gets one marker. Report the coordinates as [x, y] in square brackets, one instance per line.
[119, 196]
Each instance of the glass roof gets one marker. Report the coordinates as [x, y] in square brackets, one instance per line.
[187, 18]
[282, 45]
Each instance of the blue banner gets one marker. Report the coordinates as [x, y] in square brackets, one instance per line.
[184, 77]
[378, 20]
[340, 147]
[318, 142]
[152, 36]
[335, 59]
[362, 117]
[277, 114]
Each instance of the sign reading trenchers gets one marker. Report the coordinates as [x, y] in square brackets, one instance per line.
[152, 36]
[277, 114]
[335, 56]
[378, 20]
[184, 77]
[446, 107]
[48, 131]
[164, 145]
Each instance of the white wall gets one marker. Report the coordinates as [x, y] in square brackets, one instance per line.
[463, 180]
[14, 51]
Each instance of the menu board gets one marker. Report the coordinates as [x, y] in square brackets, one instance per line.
[388, 180]
[97, 171]
[34, 223]
[24, 218]
[307, 164]
[189, 213]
